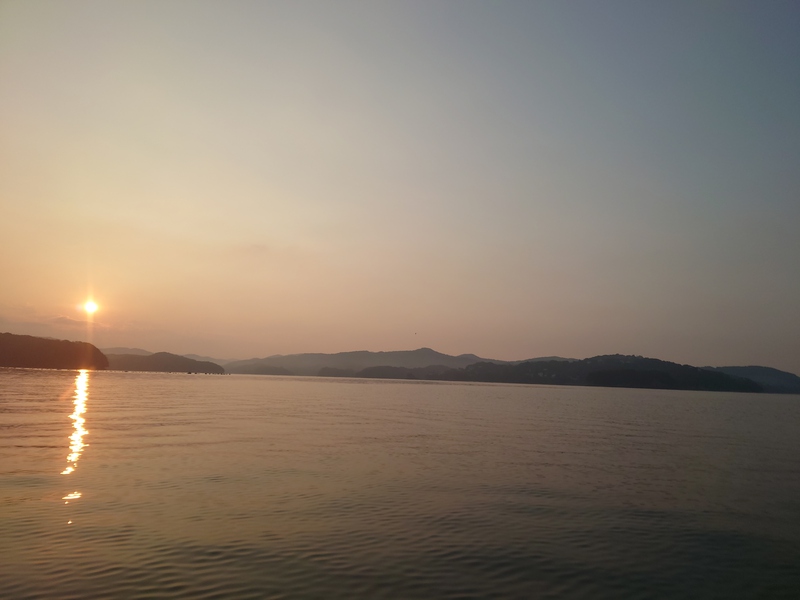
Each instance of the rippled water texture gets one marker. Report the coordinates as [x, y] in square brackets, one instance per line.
[198, 486]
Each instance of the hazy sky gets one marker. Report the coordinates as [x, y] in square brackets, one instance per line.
[513, 179]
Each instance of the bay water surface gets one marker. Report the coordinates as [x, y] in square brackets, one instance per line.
[198, 486]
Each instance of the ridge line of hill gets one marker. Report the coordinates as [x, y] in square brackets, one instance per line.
[423, 364]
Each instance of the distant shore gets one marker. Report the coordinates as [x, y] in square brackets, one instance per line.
[422, 364]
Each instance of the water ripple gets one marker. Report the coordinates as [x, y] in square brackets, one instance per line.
[253, 487]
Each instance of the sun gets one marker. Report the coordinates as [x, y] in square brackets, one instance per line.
[90, 307]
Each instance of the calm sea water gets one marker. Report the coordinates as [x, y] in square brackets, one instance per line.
[197, 486]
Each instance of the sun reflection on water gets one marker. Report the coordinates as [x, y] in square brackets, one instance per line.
[76, 445]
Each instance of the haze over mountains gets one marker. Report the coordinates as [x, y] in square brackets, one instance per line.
[161, 362]
[123, 350]
[352, 362]
[423, 364]
[610, 370]
[773, 380]
[120, 350]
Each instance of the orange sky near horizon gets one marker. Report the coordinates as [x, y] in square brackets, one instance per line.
[244, 179]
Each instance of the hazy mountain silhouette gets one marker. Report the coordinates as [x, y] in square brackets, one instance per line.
[122, 350]
[220, 361]
[161, 362]
[427, 364]
[772, 380]
[614, 370]
[602, 371]
[46, 353]
[140, 352]
[606, 371]
[431, 372]
[311, 364]
[261, 369]
[539, 359]
[424, 363]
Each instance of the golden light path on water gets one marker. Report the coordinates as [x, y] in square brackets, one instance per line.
[76, 444]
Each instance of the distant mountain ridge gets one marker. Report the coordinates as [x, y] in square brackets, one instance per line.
[427, 364]
[122, 350]
[162, 362]
[311, 364]
[220, 361]
[772, 380]
[601, 371]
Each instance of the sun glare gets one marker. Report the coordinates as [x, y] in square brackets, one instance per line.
[90, 307]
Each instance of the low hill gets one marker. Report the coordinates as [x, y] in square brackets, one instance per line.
[544, 359]
[162, 362]
[141, 352]
[219, 361]
[772, 380]
[122, 350]
[602, 371]
[614, 370]
[261, 369]
[43, 353]
[352, 362]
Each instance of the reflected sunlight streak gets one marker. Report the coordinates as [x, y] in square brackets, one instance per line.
[76, 445]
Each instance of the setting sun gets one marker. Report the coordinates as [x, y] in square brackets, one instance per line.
[90, 307]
